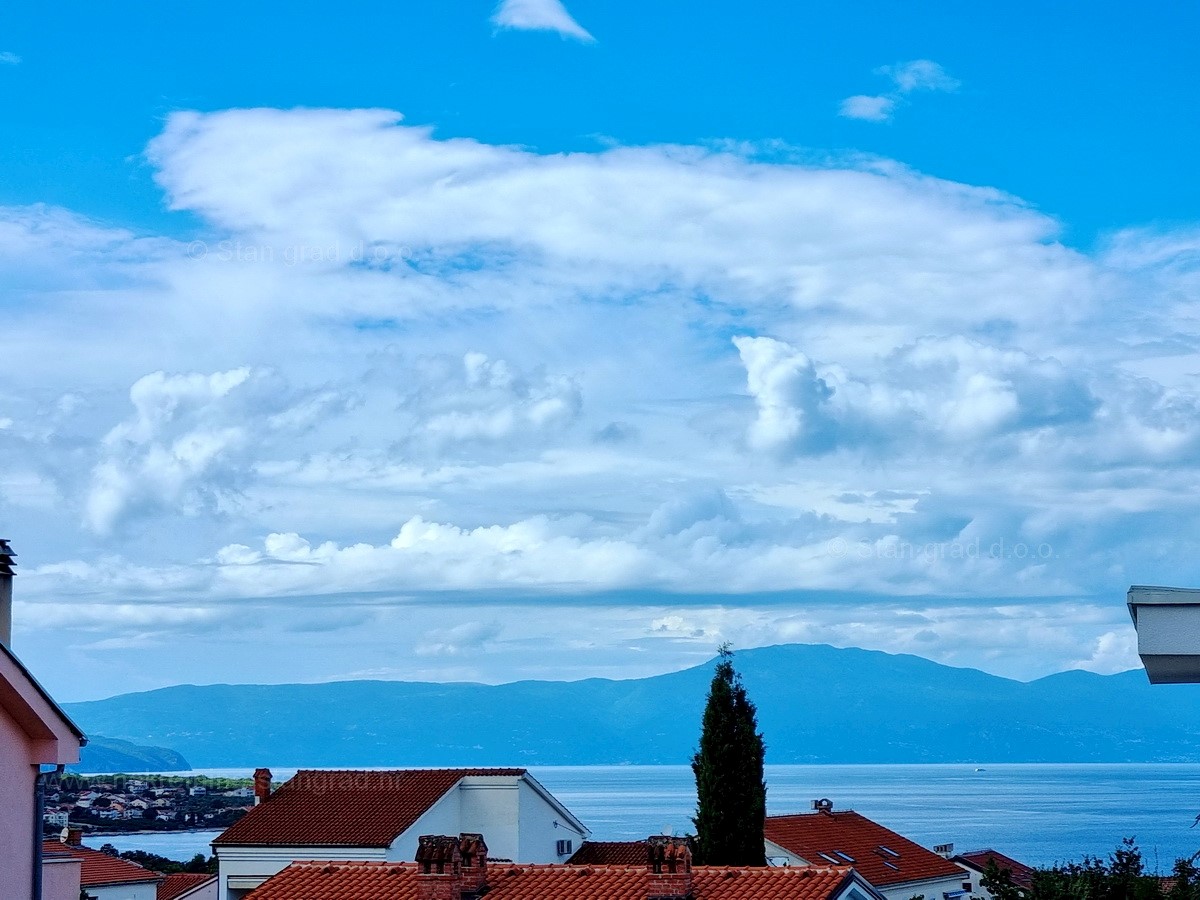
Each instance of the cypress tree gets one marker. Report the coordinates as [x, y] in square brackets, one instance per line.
[731, 796]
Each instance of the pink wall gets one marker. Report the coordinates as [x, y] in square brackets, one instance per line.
[60, 878]
[17, 774]
[33, 732]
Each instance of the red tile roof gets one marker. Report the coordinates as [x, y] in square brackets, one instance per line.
[178, 883]
[395, 881]
[855, 840]
[1021, 874]
[99, 868]
[346, 808]
[610, 853]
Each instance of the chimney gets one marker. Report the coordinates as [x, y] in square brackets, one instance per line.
[823, 805]
[262, 786]
[439, 868]
[6, 583]
[72, 837]
[670, 868]
[473, 851]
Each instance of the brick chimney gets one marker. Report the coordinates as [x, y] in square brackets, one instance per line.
[670, 868]
[262, 786]
[72, 837]
[6, 585]
[473, 851]
[439, 868]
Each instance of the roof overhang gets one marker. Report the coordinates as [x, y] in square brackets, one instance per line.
[56, 739]
[1167, 621]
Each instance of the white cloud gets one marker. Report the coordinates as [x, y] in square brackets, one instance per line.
[539, 15]
[920, 75]
[456, 402]
[935, 390]
[189, 444]
[443, 367]
[8, 58]
[868, 108]
[1114, 651]
[907, 78]
[465, 637]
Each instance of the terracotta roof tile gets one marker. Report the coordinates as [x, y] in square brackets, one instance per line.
[99, 869]
[855, 840]
[395, 881]
[609, 853]
[1021, 874]
[180, 883]
[346, 808]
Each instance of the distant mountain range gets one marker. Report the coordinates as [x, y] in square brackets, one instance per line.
[816, 704]
[108, 755]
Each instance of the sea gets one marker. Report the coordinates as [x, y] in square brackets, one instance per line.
[1040, 814]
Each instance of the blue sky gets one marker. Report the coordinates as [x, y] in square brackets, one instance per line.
[542, 340]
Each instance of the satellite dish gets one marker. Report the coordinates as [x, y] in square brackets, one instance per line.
[668, 831]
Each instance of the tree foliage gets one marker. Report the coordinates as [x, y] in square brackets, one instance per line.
[998, 882]
[1122, 877]
[731, 794]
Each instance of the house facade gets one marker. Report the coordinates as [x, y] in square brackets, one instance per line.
[34, 733]
[379, 816]
[104, 877]
[897, 867]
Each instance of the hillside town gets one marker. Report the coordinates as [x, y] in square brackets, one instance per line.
[103, 805]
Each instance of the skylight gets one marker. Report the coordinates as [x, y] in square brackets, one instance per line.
[828, 858]
[844, 855]
[889, 851]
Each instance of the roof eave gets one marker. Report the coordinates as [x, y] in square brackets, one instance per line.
[45, 695]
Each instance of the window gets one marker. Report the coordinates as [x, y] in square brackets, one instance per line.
[564, 848]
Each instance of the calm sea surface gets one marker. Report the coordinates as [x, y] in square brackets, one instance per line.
[1039, 814]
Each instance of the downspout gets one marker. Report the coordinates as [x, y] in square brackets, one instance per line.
[39, 812]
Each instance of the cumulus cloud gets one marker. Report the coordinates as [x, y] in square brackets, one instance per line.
[474, 399]
[187, 447]
[539, 15]
[907, 78]
[943, 389]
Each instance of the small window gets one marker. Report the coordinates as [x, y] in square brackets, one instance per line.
[564, 848]
[844, 855]
[829, 859]
[889, 851]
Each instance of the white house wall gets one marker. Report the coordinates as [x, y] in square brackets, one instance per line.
[123, 892]
[444, 817]
[206, 891]
[934, 889]
[243, 868]
[542, 827]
